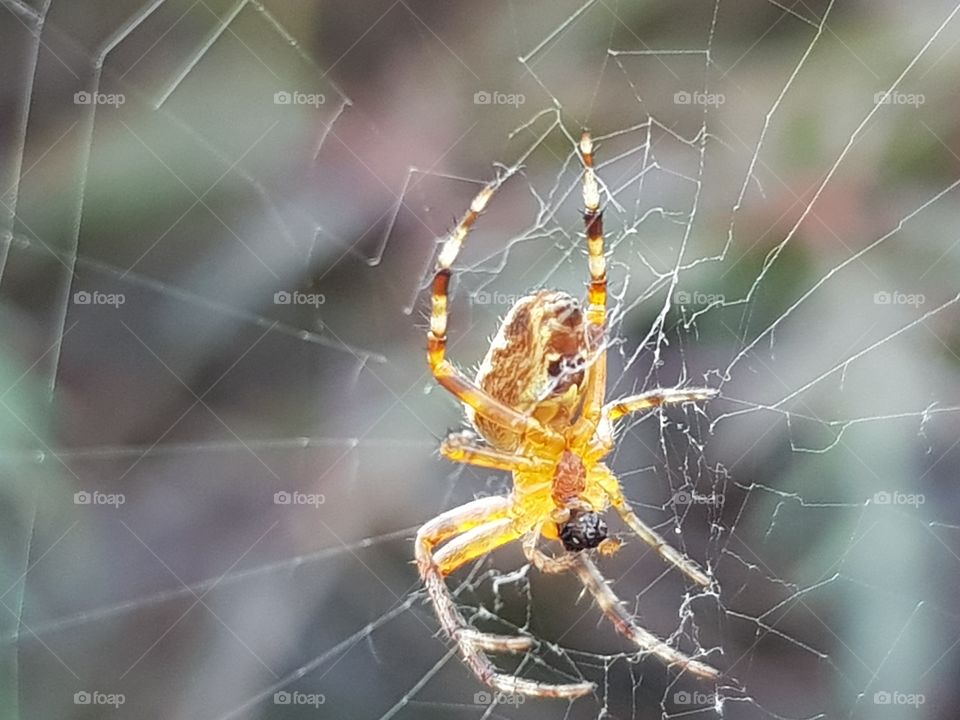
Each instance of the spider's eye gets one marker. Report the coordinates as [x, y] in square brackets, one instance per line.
[554, 368]
[584, 531]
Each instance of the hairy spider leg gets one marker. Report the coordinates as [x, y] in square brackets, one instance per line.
[613, 608]
[596, 381]
[461, 448]
[655, 398]
[610, 485]
[477, 528]
[443, 370]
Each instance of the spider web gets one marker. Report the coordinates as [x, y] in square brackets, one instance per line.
[219, 435]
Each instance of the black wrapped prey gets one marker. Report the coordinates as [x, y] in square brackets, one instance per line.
[583, 531]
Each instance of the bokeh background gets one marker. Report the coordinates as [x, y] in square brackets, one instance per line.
[217, 432]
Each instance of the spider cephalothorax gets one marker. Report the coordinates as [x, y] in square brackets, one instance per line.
[539, 403]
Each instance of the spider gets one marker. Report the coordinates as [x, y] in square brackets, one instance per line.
[538, 402]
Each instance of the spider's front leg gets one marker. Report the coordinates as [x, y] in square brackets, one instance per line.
[596, 381]
[472, 530]
[465, 390]
[658, 397]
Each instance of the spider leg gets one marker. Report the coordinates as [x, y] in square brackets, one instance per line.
[644, 401]
[613, 608]
[610, 604]
[593, 222]
[443, 370]
[656, 398]
[473, 543]
[462, 448]
[543, 562]
[670, 554]
[595, 385]
[477, 528]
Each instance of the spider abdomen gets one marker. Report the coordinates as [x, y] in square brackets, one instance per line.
[535, 364]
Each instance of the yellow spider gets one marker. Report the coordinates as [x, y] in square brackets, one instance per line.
[538, 402]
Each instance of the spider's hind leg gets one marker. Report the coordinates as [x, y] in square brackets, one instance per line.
[610, 486]
[476, 529]
[613, 608]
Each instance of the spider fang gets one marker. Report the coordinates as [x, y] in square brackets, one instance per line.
[584, 531]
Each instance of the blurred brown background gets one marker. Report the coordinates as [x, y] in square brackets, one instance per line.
[217, 432]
